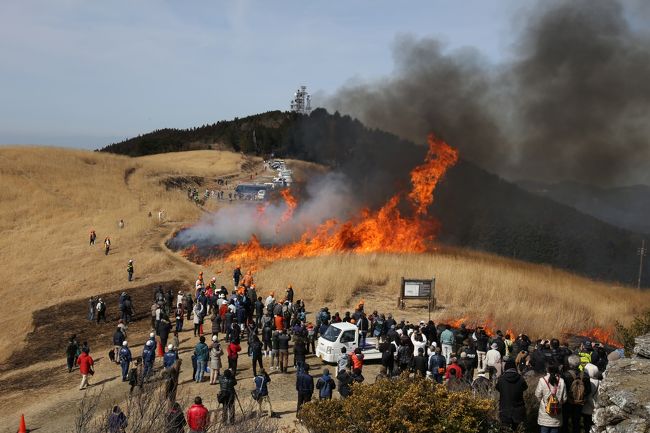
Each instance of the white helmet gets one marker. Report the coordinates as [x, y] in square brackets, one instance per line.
[214, 338]
[170, 347]
[151, 335]
[124, 343]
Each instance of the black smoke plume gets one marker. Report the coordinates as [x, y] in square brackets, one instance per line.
[573, 102]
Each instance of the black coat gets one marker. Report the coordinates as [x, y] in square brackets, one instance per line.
[511, 387]
[175, 422]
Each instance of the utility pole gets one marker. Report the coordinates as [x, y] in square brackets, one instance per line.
[641, 253]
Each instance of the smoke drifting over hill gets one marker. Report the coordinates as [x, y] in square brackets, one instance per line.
[573, 103]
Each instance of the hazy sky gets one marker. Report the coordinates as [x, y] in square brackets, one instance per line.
[86, 73]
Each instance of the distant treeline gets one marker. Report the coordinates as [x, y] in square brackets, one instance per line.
[476, 209]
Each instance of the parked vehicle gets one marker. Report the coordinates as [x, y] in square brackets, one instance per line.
[346, 335]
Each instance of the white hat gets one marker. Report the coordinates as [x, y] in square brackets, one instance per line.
[124, 343]
[151, 335]
[170, 346]
[131, 261]
[214, 338]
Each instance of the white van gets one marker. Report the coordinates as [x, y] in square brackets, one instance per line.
[346, 335]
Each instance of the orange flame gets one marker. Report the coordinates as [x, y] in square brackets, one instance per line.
[291, 203]
[601, 335]
[425, 177]
[384, 230]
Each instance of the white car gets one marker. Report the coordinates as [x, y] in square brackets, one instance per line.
[346, 335]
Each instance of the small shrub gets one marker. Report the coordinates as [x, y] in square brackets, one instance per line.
[626, 335]
[402, 405]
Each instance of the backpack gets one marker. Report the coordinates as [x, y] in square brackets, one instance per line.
[325, 390]
[553, 406]
[100, 306]
[577, 389]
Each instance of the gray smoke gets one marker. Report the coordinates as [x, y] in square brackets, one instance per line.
[573, 104]
[325, 197]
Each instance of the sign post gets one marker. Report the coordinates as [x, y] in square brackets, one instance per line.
[417, 289]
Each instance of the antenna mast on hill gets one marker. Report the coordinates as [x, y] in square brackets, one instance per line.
[301, 102]
[641, 252]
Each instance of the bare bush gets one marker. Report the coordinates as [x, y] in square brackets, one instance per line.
[146, 411]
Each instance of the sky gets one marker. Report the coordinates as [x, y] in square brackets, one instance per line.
[85, 74]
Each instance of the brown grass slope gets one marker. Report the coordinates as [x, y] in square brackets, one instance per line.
[49, 201]
[51, 198]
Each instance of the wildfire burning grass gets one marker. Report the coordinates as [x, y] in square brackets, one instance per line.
[471, 287]
[384, 230]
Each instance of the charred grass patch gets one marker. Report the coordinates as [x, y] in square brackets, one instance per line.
[53, 326]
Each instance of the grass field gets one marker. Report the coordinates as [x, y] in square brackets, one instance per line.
[52, 198]
[537, 300]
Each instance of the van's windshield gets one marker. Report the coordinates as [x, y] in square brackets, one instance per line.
[332, 333]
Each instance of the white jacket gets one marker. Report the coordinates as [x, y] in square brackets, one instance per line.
[419, 344]
[592, 371]
[543, 392]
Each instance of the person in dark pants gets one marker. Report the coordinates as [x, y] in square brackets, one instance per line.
[256, 353]
[125, 359]
[227, 396]
[572, 409]
[304, 386]
[129, 270]
[232, 351]
[101, 310]
[511, 387]
[325, 385]
[71, 352]
[299, 353]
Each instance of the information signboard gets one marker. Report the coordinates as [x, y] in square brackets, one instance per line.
[417, 289]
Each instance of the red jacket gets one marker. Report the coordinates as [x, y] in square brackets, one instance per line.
[279, 323]
[232, 350]
[197, 417]
[84, 362]
[455, 370]
[223, 309]
[357, 361]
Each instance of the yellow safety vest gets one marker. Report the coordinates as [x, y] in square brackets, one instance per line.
[585, 358]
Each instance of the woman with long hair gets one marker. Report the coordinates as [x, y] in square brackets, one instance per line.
[551, 392]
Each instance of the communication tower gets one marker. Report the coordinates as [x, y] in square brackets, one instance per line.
[301, 102]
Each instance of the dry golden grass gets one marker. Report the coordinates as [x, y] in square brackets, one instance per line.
[51, 199]
[539, 300]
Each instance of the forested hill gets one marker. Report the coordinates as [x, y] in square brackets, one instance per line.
[476, 209]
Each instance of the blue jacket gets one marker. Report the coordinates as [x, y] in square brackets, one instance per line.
[304, 383]
[261, 384]
[201, 351]
[169, 359]
[326, 385]
[125, 354]
[149, 354]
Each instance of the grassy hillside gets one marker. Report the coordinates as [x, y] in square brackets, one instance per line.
[477, 209]
[509, 294]
[52, 198]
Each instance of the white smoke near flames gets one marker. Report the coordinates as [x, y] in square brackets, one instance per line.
[327, 196]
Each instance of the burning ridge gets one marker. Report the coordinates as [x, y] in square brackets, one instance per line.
[384, 230]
